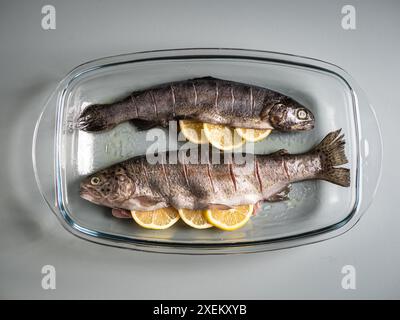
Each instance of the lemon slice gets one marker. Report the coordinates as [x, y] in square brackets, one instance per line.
[157, 219]
[194, 218]
[253, 135]
[230, 219]
[193, 131]
[222, 137]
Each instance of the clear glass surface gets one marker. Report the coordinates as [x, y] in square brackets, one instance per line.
[63, 155]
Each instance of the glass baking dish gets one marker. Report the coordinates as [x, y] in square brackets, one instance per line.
[63, 155]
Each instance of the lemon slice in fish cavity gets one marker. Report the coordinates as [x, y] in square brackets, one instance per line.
[222, 137]
[193, 131]
[253, 135]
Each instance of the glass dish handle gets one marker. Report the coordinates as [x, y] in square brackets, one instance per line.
[43, 148]
[371, 152]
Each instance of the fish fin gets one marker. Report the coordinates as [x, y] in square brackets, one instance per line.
[331, 152]
[282, 195]
[339, 176]
[280, 152]
[121, 213]
[264, 114]
[143, 125]
[94, 118]
[257, 207]
[145, 201]
[219, 206]
[205, 78]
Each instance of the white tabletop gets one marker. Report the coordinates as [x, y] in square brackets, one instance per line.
[33, 60]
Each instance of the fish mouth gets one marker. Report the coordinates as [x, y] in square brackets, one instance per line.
[85, 193]
[307, 125]
[303, 126]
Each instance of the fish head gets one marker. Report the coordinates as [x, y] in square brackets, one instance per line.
[95, 117]
[109, 187]
[289, 115]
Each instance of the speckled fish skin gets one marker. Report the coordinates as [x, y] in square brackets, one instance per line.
[136, 184]
[205, 100]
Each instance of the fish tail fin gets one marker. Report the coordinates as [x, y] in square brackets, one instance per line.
[94, 118]
[331, 153]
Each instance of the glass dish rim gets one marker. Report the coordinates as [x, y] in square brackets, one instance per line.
[197, 248]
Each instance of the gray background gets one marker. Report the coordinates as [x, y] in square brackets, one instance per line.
[33, 60]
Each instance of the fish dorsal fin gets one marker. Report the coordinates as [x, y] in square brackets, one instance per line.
[204, 78]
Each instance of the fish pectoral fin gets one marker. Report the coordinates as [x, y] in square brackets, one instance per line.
[282, 195]
[145, 201]
[121, 213]
[143, 125]
[257, 206]
[218, 206]
[264, 114]
[280, 152]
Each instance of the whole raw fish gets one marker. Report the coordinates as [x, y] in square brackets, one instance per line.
[205, 100]
[136, 184]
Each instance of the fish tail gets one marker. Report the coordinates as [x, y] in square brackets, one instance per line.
[93, 118]
[331, 153]
[98, 117]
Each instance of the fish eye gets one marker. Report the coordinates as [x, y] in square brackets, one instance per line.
[301, 114]
[95, 181]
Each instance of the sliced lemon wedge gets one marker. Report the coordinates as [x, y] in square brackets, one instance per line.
[231, 219]
[195, 218]
[253, 135]
[193, 131]
[156, 219]
[222, 137]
